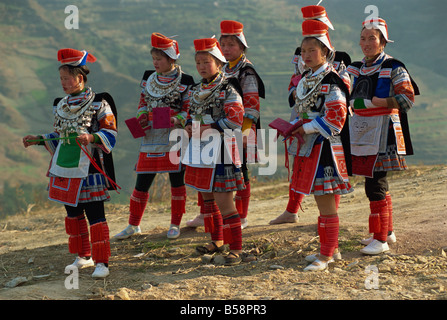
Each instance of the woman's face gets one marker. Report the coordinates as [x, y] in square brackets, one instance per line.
[312, 54]
[231, 48]
[370, 42]
[161, 63]
[206, 66]
[70, 84]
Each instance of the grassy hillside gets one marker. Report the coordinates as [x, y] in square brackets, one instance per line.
[118, 33]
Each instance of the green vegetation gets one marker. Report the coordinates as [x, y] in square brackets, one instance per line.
[118, 33]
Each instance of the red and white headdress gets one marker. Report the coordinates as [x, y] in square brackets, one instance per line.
[379, 24]
[210, 45]
[74, 57]
[316, 13]
[317, 29]
[167, 45]
[233, 28]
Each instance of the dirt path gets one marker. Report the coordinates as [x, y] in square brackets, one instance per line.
[149, 266]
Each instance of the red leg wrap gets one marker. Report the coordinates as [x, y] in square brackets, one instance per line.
[138, 202]
[232, 231]
[72, 227]
[243, 200]
[337, 201]
[100, 242]
[295, 200]
[378, 219]
[217, 233]
[390, 211]
[209, 208]
[178, 203]
[199, 199]
[328, 228]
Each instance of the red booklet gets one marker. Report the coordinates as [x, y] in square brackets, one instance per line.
[135, 128]
[285, 128]
[161, 117]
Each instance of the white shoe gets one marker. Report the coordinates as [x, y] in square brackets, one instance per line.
[82, 263]
[173, 232]
[285, 217]
[244, 223]
[101, 271]
[375, 247]
[128, 232]
[391, 238]
[318, 265]
[196, 222]
[314, 257]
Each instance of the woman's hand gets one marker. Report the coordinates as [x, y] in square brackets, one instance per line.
[389, 103]
[175, 121]
[299, 130]
[85, 138]
[27, 143]
[143, 120]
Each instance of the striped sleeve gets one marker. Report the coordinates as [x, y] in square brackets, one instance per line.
[107, 127]
[234, 112]
[334, 117]
[250, 91]
[403, 89]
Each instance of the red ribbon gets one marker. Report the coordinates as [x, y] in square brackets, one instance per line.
[97, 167]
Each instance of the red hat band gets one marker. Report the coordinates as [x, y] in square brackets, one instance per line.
[210, 45]
[233, 28]
[167, 45]
[317, 29]
[380, 24]
[74, 57]
[316, 13]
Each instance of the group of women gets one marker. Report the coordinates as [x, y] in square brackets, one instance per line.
[228, 97]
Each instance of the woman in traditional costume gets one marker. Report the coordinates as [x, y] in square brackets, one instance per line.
[214, 168]
[320, 167]
[164, 95]
[234, 46]
[383, 92]
[81, 170]
[340, 63]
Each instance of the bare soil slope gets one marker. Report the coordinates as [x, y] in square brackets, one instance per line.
[33, 248]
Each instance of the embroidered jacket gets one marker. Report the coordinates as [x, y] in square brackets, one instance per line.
[100, 119]
[386, 77]
[173, 92]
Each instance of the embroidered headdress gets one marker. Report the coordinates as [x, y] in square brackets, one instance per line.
[74, 57]
[233, 28]
[318, 30]
[379, 24]
[167, 45]
[210, 45]
[316, 13]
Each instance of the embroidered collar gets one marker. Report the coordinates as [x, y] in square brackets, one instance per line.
[207, 95]
[375, 66]
[232, 69]
[74, 113]
[159, 86]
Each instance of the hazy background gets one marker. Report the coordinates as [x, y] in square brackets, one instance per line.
[118, 34]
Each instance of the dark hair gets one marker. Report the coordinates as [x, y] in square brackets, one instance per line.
[320, 44]
[239, 42]
[75, 71]
[162, 53]
[381, 37]
[218, 62]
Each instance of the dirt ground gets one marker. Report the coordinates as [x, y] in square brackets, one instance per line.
[33, 248]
